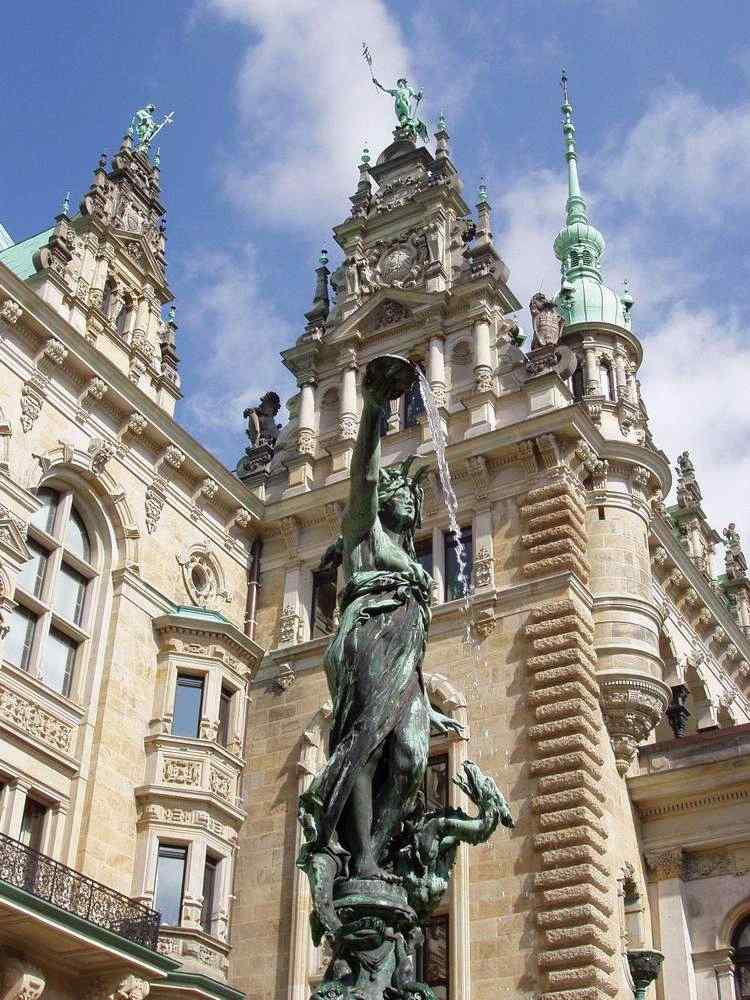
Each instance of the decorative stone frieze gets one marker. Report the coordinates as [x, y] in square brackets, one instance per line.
[220, 783]
[483, 570]
[242, 518]
[101, 451]
[136, 424]
[290, 626]
[11, 311]
[35, 721]
[181, 772]
[632, 705]
[573, 912]
[285, 677]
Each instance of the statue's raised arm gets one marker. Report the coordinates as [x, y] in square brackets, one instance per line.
[405, 112]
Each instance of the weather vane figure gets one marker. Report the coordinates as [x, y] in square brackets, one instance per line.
[143, 129]
[403, 95]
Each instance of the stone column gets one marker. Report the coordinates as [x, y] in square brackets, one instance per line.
[306, 431]
[621, 375]
[591, 369]
[141, 315]
[670, 920]
[348, 400]
[482, 356]
[724, 970]
[56, 833]
[15, 802]
[192, 901]
[96, 292]
[436, 369]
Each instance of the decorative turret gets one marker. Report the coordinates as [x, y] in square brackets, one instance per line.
[689, 518]
[318, 314]
[579, 245]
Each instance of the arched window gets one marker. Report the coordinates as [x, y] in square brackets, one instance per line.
[741, 945]
[413, 404]
[53, 617]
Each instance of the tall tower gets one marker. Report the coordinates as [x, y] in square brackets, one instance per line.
[104, 268]
[597, 328]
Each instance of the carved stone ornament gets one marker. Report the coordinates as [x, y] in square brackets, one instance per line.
[632, 706]
[594, 467]
[290, 625]
[21, 979]
[137, 424]
[35, 721]
[387, 314]
[10, 311]
[483, 568]
[220, 783]
[181, 772]
[32, 397]
[483, 623]
[156, 495]
[101, 451]
[174, 456]
[667, 864]
[202, 576]
[242, 518]
[285, 677]
[131, 988]
[55, 351]
[306, 441]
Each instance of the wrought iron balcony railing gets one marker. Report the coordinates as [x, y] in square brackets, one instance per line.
[73, 892]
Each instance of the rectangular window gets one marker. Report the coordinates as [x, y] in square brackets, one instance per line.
[457, 581]
[20, 637]
[423, 548]
[70, 590]
[209, 893]
[435, 785]
[413, 406]
[170, 883]
[31, 577]
[188, 702]
[32, 824]
[225, 714]
[58, 660]
[323, 610]
[435, 957]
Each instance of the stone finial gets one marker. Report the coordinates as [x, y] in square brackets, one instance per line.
[318, 313]
[734, 557]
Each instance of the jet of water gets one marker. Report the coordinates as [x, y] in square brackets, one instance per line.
[451, 502]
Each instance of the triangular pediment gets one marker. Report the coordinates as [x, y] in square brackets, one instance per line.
[12, 541]
[388, 307]
[136, 247]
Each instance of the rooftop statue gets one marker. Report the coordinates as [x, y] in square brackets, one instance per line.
[143, 128]
[403, 95]
[734, 557]
[261, 424]
[377, 860]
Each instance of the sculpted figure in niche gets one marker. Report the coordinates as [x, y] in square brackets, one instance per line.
[261, 424]
[546, 321]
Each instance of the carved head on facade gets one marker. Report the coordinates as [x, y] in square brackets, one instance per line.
[270, 403]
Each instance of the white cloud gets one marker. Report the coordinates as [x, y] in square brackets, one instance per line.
[694, 380]
[685, 155]
[243, 334]
[307, 104]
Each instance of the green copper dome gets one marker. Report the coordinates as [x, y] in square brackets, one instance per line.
[583, 297]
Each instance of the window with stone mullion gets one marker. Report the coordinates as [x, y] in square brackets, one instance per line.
[52, 594]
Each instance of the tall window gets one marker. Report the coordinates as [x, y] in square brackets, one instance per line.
[457, 578]
[413, 404]
[741, 945]
[188, 702]
[209, 893]
[123, 318]
[433, 957]
[52, 619]
[607, 382]
[32, 824]
[323, 609]
[577, 382]
[423, 549]
[170, 883]
[225, 714]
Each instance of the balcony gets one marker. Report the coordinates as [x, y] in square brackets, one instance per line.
[49, 909]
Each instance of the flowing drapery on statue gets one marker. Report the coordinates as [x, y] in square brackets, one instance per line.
[377, 861]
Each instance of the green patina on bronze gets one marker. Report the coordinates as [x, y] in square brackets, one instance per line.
[377, 860]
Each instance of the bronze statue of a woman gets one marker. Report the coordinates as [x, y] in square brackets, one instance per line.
[378, 861]
[381, 715]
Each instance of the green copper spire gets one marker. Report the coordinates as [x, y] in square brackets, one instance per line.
[579, 246]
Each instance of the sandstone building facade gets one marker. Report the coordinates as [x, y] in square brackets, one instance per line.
[162, 700]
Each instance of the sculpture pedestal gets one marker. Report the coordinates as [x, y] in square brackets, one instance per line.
[373, 950]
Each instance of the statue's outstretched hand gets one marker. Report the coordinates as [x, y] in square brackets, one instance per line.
[445, 724]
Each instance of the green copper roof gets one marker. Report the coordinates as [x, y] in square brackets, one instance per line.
[19, 256]
[190, 611]
[579, 245]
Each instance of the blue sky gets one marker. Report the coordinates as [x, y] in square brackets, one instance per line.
[272, 104]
